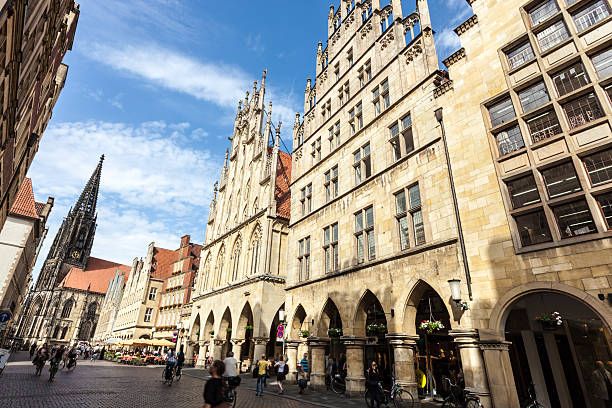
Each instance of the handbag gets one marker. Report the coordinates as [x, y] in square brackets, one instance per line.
[302, 383]
[255, 372]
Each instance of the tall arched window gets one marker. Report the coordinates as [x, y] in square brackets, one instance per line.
[219, 267]
[255, 205]
[66, 310]
[91, 311]
[236, 259]
[255, 248]
[206, 283]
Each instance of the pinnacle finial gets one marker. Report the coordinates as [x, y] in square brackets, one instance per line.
[89, 196]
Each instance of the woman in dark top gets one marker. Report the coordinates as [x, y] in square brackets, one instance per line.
[372, 380]
[213, 390]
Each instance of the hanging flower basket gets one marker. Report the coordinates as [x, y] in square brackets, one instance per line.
[304, 334]
[550, 321]
[431, 326]
[334, 333]
[212, 332]
[229, 330]
[376, 329]
[248, 327]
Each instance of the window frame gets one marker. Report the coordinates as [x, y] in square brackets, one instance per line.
[304, 259]
[331, 248]
[360, 166]
[369, 252]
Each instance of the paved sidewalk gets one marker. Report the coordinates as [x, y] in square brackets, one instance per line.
[325, 399]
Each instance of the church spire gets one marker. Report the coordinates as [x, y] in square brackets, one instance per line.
[89, 197]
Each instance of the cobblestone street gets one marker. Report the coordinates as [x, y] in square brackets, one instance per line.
[102, 384]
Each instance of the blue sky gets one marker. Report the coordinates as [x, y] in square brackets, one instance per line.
[154, 84]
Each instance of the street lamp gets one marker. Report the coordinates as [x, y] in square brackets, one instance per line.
[455, 288]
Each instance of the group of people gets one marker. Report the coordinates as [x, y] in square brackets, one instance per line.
[54, 355]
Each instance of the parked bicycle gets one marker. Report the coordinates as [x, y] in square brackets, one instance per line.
[338, 384]
[532, 402]
[398, 396]
[459, 398]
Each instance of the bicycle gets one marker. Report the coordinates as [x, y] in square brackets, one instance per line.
[400, 397]
[231, 395]
[532, 402]
[338, 384]
[459, 398]
[179, 373]
[72, 363]
[168, 375]
[40, 364]
[53, 369]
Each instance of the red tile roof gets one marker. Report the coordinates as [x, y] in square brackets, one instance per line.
[283, 179]
[24, 204]
[96, 276]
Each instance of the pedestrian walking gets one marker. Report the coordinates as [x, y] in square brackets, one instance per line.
[372, 379]
[302, 380]
[282, 369]
[304, 363]
[214, 390]
[262, 372]
[330, 370]
[32, 350]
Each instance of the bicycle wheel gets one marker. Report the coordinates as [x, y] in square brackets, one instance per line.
[338, 387]
[233, 394]
[403, 399]
[472, 402]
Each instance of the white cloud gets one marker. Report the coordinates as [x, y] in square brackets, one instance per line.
[447, 42]
[153, 187]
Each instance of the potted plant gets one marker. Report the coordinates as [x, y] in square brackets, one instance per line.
[304, 334]
[248, 327]
[550, 321]
[376, 329]
[431, 326]
[212, 332]
[229, 330]
[334, 332]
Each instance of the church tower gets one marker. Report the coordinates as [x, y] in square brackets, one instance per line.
[74, 240]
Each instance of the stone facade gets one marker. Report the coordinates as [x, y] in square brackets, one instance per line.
[110, 308]
[240, 285]
[34, 38]
[20, 241]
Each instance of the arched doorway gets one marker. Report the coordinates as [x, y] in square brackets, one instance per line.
[298, 323]
[245, 331]
[208, 335]
[436, 355]
[274, 347]
[330, 325]
[559, 344]
[372, 321]
[225, 333]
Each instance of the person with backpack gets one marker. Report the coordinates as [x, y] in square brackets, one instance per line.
[262, 371]
[282, 369]
[215, 388]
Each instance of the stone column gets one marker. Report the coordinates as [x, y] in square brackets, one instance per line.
[317, 362]
[404, 347]
[260, 348]
[218, 349]
[188, 350]
[499, 370]
[201, 363]
[237, 349]
[291, 348]
[355, 381]
[476, 381]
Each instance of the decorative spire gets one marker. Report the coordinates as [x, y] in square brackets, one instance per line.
[216, 189]
[246, 99]
[296, 124]
[277, 138]
[254, 87]
[263, 79]
[89, 197]
[226, 155]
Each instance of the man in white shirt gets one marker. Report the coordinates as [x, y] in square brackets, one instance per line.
[231, 365]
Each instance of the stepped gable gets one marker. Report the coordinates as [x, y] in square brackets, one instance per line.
[283, 179]
[162, 259]
[24, 204]
[96, 276]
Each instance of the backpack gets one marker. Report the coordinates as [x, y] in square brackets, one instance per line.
[286, 369]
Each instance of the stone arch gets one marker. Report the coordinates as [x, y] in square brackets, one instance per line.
[502, 308]
[298, 322]
[255, 206]
[194, 332]
[367, 302]
[209, 326]
[35, 307]
[245, 319]
[410, 307]
[225, 331]
[329, 318]
[84, 333]
[254, 250]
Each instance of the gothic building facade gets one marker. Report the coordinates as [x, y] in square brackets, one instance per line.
[64, 304]
[239, 292]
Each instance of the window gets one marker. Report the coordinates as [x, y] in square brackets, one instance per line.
[326, 110]
[523, 192]
[334, 135]
[306, 199]
[603, 63]
[533, 97]
[356, 119]
[316, 151]
[582, 110]
[605, 203]
[520, 55]
[551, 36]
[148, 313]
[509, 140]
[599, 167]
[365, 74]
[367, 14]
[364, 234]
[395, 143]
[402, 219]
[590, 15]
[337, 71]
[561, 180]
[533, 228]
[330, 247]
[67, 309]
[404, 143]
[304, 259]
[153, 294]
[570, 79]
[362, 164]
[381, 98]
[543, 12]
[409, 213]
[574, 219]
[349, 58]
[414, 200]
[543, 126]
[501, 112]
[331, 183]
